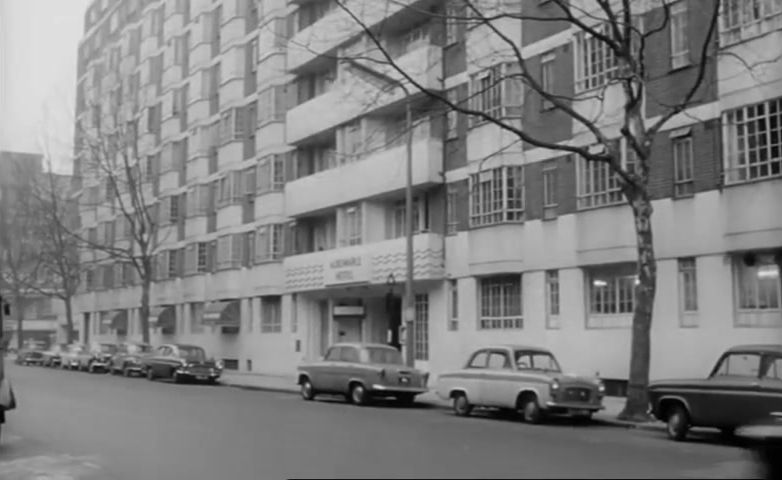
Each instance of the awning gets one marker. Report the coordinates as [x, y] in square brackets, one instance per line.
[119, 320]
[163, 317]
[223, 314]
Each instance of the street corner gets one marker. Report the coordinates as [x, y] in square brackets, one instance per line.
[53, 467]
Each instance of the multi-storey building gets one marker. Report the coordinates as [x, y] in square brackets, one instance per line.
[287, 198]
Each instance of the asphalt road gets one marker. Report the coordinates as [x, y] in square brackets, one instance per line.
[73, 425]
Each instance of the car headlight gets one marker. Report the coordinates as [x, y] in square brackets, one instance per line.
[601, 388]
[554, 386]
[219, 364]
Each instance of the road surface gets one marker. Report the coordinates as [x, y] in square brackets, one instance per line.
[74, 425]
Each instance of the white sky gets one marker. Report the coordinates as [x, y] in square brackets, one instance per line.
[38, 51]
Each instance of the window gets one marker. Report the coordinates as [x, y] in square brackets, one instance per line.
[744, 19]
[547, 78]
[271, 173]
[753, 138]
[595, 61]
[421, 327]
[453, 310]
[612, 289]
[497, 196]
[350, 226]
[479, 360]
[757, 283]
[773, 368]
[552, 293]
[453, 11]
[452, 222]
[497, 92]
[739, 365]
[451, 115]
[500, 303]
[173, 209]
[550, 187]
[268, 244]
[688, 285]
[597, 184]
[399, 217]
[271, 314]
[684, 181]
[349, 142]
[272, 104]
[680, 48]
[202, 265]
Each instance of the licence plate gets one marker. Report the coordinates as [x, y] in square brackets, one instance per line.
[201, 377]
[580, 412]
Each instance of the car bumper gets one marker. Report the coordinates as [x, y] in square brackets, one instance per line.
[572, 408]
[378, 389]
[199, 376]
[100, 364]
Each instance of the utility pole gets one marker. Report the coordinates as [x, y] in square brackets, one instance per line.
[409, 300]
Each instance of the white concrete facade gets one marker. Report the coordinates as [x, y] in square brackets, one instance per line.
[336, 286]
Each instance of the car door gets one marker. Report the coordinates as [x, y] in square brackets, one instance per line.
[498, 388]
[321, 373]
[771, 386]
[156, 360]
[474, 377]
[733, 392]
[348, 367]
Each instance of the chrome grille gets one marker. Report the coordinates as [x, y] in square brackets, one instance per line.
[578, 394]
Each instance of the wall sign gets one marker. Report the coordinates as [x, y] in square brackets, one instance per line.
[346, 269]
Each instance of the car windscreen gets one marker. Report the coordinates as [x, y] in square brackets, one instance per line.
[139, 349]
[526, 360]
[107, 348]
[193, 354]
[384, 355]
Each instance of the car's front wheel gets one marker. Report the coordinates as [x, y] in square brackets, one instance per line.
[307, 390]
[678, 423]
[358, 394]
[150, 374]
[461, 406]
[530, 410]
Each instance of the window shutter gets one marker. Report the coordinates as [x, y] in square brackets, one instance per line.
[239, 122]
[211, 257]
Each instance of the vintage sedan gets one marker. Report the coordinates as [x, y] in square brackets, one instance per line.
[523, 379]
[127, 359]
[181, 362]
[98, 357]
[362, 371]
[744, 386]
[30, 356]
[52, 357]
[73, 357]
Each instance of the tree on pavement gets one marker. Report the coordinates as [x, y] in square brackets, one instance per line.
[607, 102]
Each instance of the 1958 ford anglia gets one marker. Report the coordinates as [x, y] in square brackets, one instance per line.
[520, 378]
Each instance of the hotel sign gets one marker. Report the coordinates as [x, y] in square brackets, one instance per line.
[347, 269]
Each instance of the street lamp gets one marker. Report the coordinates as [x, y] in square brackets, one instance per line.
[408, 302]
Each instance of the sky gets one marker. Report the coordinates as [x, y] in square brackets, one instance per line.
[38, 50]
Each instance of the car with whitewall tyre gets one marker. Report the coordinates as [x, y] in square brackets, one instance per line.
[180, 362]
[523, 379]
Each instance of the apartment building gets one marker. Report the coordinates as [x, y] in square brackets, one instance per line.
[282, 173]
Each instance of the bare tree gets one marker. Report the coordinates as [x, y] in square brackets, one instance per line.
[19, 245]
[57, 273]
[611, 27]
[120, 181]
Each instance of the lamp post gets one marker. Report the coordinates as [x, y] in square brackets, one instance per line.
[408, 302]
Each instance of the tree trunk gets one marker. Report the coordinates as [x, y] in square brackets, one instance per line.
[19, 314]
[69, 321]
[144, 310]
[637, 403]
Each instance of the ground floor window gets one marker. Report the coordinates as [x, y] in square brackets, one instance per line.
[421, 327]
[196, 317]
[611, 294]
[757, 282]
[500, 303]
[271, 314]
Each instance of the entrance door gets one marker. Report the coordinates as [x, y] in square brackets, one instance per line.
[87, 328]
[323, 313]
[394, 309]
[347, 329]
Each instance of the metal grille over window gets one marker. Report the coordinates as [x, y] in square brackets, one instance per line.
[753, 141]
[421, 327]
[501, 303]
[497, 196]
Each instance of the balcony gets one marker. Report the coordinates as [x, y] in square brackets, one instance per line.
[369, 264]
[380, 173]
[359, 92]
[337, 27]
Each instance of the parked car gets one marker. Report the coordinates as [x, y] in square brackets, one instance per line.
[744, 386]
[98, 357]
[520, 378]
[362, 371]
[181, 362]
[127, 359]
[52, 357]
[30, 356]
[72, 358]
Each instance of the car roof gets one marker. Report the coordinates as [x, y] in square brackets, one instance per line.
[513, 347]
[184, 345]
[770, 347]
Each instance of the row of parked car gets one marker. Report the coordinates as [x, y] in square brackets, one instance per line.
[179, 362]
[743, 388]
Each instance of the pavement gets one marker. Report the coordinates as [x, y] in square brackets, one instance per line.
[80, 426]
[287, 384]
